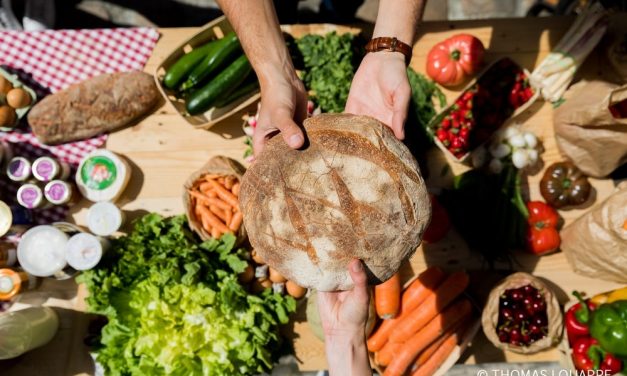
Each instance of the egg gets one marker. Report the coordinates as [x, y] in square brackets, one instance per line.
[7, 116]
[295, 290]
[257, 258]
[276, 277]
[247, 275]
[18, 98]
[5, 85]
[259, 285]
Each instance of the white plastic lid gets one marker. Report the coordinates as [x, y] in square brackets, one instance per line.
[58, 192]
[104, 219]
[41, 251]
[30, 196]
[6, 218]
[18, 169]
[84, 251]
[45, 169]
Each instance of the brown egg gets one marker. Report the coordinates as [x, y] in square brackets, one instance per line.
[295, 290]
[259, 285]
[7, 116]
[5, 85]
[247, 275]
[276, 277]
[256, 257]
[18, 98]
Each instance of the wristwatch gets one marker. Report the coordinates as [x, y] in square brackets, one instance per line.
[391, 45]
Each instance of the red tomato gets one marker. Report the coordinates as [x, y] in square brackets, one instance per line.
[451, 61]
[543, 237]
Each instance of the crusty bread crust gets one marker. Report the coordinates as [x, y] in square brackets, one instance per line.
[355, 191]
[94, 106]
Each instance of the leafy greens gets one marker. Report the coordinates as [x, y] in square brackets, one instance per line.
[175, 307]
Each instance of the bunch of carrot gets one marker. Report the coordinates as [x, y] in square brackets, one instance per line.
[430, 322]
[216, 204]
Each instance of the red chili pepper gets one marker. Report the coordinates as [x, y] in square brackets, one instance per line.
[576, 319]
[542, 236]
[589, 356]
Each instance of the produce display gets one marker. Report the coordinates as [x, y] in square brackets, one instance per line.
[354, 190]
[175, 304]
[431, 322]
[482, 108]
[100, 104]
[563, 184]
[455, 59]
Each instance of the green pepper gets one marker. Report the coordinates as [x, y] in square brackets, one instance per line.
[608, 325]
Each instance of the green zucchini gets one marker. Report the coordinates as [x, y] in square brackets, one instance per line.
[223, 83]
[244, 89]
[226, 49]
[184, 66]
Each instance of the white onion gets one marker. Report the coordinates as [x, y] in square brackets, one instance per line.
[510, 132]
[520, 158]
[500, 150]
[495, 166]
[530, 139]
[517, 141]
[532, 154]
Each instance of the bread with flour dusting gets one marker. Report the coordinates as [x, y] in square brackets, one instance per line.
[354, 191]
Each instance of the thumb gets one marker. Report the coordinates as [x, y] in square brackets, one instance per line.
[360, 280]
[401, 105]
[291, 133]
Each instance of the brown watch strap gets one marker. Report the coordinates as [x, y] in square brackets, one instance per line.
[389, 44]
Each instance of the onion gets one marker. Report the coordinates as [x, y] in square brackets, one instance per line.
[517, 141]
[495, 166]
[500, 150]
[520, 159]
[530, 139]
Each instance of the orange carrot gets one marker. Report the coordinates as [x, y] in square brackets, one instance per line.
[235, 189]
[213, 220]
[625, 225]
[229, 217]
[457, 331]
[387, 353]
[439, 356]
[416, 293]
[429, 333]
[220, 180]
[205, 187]
[218, 212]
[450, 289]
[224, 194]
[229, 181]
[215, 233]
[236, 222]
[387, 297]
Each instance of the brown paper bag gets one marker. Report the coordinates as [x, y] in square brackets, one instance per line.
[218, 165]
[596, 243]
[587, 133]
[490, 315]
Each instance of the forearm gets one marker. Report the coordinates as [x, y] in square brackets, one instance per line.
[257, 27]
[399, 18]
[347, 355]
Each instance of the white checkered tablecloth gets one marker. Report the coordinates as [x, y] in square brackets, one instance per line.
[51, 60]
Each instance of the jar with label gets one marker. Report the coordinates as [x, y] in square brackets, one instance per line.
[13, 282]
[30, 196]
[8, 254]
[19, 169]
[104, 219]
[59, 192]
[46, 169]
[84, 250]
[26, 329]
[41, 251]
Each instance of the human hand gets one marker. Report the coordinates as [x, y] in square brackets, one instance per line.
[283, 109]
[381, 89]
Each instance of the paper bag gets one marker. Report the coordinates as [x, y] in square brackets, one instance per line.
[596, 243]
[587, 133]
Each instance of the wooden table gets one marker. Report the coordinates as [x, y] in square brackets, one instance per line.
[164, 150]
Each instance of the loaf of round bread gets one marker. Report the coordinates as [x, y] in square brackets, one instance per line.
[353, 191]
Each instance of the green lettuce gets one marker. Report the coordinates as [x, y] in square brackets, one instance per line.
[175, 307]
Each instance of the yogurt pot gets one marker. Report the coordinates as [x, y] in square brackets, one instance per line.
[84, 250]
[59, 192]
[41, 251]
[104, 219]
[46, 169]
[19, 169]
[30, 196]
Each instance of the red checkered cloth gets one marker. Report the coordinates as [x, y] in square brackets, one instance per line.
[51, 60]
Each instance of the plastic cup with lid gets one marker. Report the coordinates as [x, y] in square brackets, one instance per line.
[42, 251]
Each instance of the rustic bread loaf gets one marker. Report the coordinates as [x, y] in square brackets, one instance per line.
[94, 106]
[355, 191]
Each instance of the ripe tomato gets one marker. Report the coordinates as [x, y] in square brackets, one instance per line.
[543, 236]
[451, 61]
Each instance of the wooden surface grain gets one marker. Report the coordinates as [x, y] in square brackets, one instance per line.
[163, 151]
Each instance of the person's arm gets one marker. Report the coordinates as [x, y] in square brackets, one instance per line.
[344, 315]
[283, 96]
[380, 87]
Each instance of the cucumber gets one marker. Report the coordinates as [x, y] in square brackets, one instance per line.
[226, 49]
[239, 92]
[184, 66]
[227, 80]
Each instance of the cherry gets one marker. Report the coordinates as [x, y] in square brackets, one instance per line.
[539, 320]
[538, 306]
[503, 337]
[446, 123]
[520, 315]
[507, 313]
[442, 134]
[528, 290]
[516, 294]
[526, 339]
[515, 336]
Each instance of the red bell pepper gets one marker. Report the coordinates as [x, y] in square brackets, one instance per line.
[542, 236]
[589, 356]
[576, 319]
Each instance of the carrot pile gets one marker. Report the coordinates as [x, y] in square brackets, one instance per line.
[428, 326]
[216, 204]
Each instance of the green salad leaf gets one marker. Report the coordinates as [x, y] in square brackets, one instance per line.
[175, 307]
